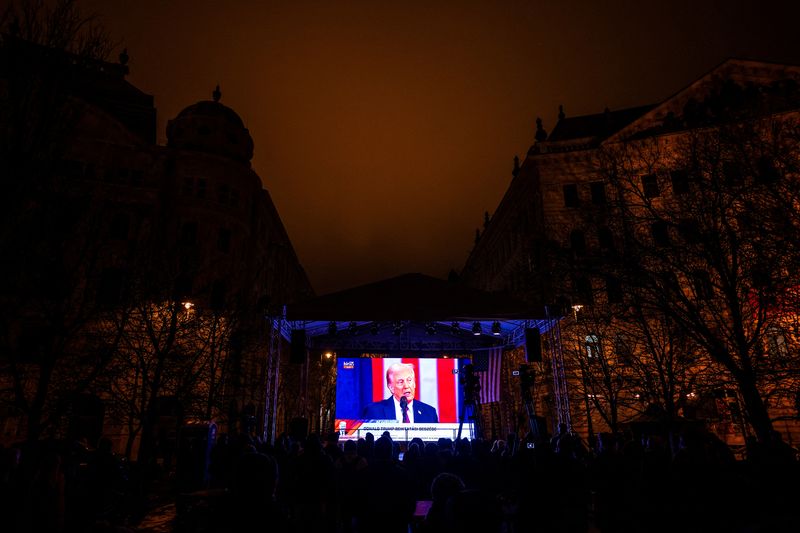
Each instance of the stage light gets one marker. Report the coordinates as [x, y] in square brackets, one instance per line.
[332, 328]
[328, 355]
[188, 306]
[476, 328]
[496, 328]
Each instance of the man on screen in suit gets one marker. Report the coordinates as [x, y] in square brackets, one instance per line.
[401, 405]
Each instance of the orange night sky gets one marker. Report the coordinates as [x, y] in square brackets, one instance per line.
[384, 130]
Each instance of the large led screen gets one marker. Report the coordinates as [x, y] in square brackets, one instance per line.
[409, 397]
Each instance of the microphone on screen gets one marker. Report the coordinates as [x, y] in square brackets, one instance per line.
[403, 403]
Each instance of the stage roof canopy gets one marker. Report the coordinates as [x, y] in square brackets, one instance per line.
[412, 297]
[424, 310]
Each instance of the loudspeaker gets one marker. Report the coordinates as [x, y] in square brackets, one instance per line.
[533, 345]
[297, 352]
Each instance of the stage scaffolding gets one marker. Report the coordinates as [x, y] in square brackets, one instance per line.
[560, 388]
[277, 329]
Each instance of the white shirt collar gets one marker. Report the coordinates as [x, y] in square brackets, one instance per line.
[398, 413]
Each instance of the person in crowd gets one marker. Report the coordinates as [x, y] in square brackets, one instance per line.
[386, 497]
[444, 486]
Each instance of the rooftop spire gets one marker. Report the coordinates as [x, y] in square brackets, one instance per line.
[216, 94]
[541, 134]
[516, 166]
[561, 114]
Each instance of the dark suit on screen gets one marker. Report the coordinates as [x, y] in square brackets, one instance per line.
[384, 410]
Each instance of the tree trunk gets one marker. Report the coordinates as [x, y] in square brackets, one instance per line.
[757, 413]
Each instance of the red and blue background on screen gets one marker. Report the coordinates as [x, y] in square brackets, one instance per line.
[361, 381]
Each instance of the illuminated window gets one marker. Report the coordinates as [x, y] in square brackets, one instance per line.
[776, 343]
[592, 346]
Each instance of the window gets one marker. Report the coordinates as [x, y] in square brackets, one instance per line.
[660, 233]
[592, 346]
[650, 186]
[623, 349]
[598, 189]
[680, 182]
[571, 196]
[224, 240]
[776, 344]
[701, 283]
[577, 243]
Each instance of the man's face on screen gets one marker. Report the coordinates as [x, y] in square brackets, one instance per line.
[402, 383]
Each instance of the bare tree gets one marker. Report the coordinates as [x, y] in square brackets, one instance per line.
[50, 350]
[718, 256]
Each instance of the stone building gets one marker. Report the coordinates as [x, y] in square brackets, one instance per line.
[559, 236]
[185, 231]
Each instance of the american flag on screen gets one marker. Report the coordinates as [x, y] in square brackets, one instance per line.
[487, 366]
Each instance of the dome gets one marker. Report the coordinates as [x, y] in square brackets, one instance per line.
[211, 127]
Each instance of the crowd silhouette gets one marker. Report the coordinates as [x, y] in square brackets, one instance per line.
[687, 482]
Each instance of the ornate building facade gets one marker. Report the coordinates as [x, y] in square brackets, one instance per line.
[611, 218]
[169, 260]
